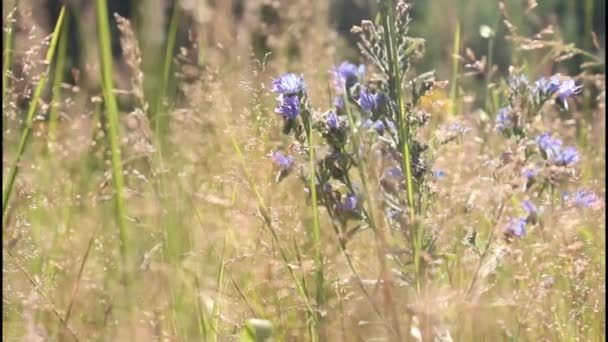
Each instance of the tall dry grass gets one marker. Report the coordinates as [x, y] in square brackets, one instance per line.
[213, 241]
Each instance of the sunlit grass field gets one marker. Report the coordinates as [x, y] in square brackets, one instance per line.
[142, 201]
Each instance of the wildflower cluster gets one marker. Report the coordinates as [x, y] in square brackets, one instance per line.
[547, 163]
[525, 101]
[370, 133]
[334, 188]
[373, 159]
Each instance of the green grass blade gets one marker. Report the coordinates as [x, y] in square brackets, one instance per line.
[404, 137]
[316, 231]
[27, 131]
[103, 23]
[215, 323]
[79, 276]
[455, 71]
[58, 79]
[160, 122]
[7, 49]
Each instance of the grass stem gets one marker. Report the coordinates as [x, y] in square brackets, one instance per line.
[29, 121]
[103, 25]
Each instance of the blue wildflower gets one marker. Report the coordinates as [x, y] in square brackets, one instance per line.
[349, 204]
[566, 156]
[530, 173]
[516, 83]
[567, 89]
[393, 213]
[545, 142]
[547, 85]
[378, 125]
[548, 145]
[288, 84]
[516, 227]
[458, 128]
[332, 121]
[347, 74]
[564, 89]
[503, 119]
[367, 100]
[394, 173]
[439, 174]
[554, 151]
[586, 199]
[529, 207]
[288, 106]
[284, 162]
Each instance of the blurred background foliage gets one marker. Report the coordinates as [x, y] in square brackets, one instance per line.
[435, 21]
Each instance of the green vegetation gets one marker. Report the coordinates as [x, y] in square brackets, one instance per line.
[141, 201]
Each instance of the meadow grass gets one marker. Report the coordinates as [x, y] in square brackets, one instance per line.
[157, 215]
[113, 135]
[25, 136]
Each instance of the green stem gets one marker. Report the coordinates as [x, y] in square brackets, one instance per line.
[27, 131]
[316, 231]
[455, 65]
[8, 49]
[491, 40]
[103, 26]
[160, 124]
[57, 80]
[404, 135]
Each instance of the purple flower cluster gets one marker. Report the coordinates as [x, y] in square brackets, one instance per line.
[552, 85]
[394, 173]
[378, 125]
[289, 84]
[289, 87]
[458, 128]
[346, 75]
[332, 121]
[349, 204]
[516, 227]
[503, 119]
[554, 151]
[285, 162]
[288, 106]
[517, 83]
[369, 101]
[568, 89]
[584, 199]
[545, 87]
